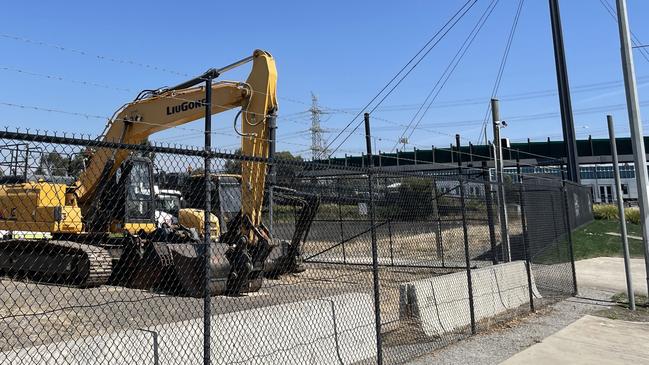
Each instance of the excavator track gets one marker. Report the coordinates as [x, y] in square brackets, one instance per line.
[59, 262]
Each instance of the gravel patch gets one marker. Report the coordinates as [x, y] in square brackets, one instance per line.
[500, 343]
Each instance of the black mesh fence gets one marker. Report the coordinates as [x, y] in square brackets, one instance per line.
[108, 256]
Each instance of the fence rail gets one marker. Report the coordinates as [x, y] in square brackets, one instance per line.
[109, 266]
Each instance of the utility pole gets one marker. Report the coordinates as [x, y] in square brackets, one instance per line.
[637, 139]
[498, 164]
[567, 122]
[318, 147]
[375, 252]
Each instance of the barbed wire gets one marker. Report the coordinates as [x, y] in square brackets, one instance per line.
[103, 117]
[111, 59]
[90, 54]
[65, 79]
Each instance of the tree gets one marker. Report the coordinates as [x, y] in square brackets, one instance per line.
[60, 165]
[286, 168]
[233, 166]
[415, 198]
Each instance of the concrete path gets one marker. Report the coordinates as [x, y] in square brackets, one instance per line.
[628, 236]
[607, 273]
[590, 340]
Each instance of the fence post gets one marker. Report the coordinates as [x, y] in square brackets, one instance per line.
[207, 299]
[438, 225]
[375, 253]
[340, 219]
[467, 257]
[620, 208]
[526, 243]
[569, 233]
[490, 213]
[459, 154]
[390, 240]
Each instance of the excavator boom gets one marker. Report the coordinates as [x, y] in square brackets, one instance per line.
[169, 108]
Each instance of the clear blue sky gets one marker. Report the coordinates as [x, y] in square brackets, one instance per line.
[343, 51]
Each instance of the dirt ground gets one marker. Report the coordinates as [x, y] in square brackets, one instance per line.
[34, 314]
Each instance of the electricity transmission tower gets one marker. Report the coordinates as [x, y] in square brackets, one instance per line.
[318, 145]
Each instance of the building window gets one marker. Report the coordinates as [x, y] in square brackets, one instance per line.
[625, 189]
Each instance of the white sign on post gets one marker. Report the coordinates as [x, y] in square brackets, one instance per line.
[362, 208]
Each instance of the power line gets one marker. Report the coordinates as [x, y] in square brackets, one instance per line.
[450, 68]
[503, 63]
[584, 88]
[452, 21]
[634, 39]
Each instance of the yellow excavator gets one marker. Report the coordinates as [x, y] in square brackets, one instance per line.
[103, 228]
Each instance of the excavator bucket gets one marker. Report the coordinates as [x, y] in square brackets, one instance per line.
[173, 261]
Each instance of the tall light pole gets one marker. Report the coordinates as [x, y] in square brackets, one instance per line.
[567, 122]
[637, 137]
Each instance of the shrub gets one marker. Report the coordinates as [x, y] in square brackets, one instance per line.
[632, 215]
[605, 211]
[609, 212]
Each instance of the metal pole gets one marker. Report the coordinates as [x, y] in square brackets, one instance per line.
[504, 226]
[490, 213]
[637, 139]
[571, 252]
[526, 243]
[467, 257]
[26, 161]
[207, 305]
[620, 207]
[519, 174]
[340, 218]
[439, 243]
[567, 122]
[459, 155]
[375, 252]
[390, 238]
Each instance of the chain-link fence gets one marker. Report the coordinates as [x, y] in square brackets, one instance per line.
[108, 256]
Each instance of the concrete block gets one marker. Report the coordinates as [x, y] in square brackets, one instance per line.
[331, 330]
[441, 304]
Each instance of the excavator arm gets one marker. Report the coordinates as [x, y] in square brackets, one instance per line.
[167, 108]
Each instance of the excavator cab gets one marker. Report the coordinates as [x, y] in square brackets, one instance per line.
[126, 199]
[139, 196]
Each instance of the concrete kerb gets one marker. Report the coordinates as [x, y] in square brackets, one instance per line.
[441, 304]
[331, 330]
